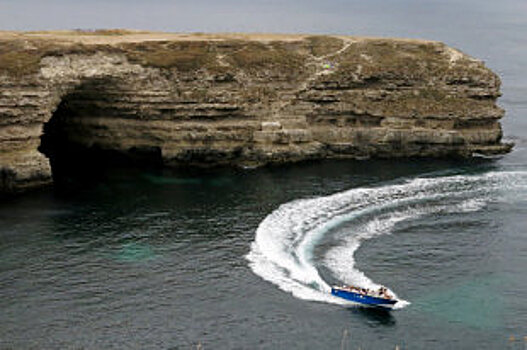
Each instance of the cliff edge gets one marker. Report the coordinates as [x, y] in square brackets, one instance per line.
[235, 99]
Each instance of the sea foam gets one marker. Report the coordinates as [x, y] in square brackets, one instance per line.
[283, 250]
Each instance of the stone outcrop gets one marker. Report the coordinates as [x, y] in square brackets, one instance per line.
[208, 100]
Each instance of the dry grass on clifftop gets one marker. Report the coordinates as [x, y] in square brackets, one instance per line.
[184, 56]
[321, 45]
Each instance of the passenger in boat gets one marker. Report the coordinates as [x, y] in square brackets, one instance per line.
[384, 293]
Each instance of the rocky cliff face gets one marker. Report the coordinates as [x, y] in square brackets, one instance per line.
[237, 100]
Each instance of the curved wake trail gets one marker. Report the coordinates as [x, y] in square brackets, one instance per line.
[283, 250]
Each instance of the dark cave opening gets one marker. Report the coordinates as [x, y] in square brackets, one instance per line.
[74, 159]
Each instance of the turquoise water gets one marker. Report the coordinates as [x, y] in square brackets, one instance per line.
[478, 303]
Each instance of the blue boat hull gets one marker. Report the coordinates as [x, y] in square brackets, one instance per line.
[363, 299]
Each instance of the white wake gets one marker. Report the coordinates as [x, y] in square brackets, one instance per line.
[283, 250]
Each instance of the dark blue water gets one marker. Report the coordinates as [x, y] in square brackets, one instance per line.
[241, 259]
[149, 260]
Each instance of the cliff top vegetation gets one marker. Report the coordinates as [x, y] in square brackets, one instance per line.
[21, 52]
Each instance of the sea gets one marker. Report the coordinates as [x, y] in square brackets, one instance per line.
[244, 258]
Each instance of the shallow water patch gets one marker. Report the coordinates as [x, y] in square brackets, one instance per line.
[478, 303]
[135, 252]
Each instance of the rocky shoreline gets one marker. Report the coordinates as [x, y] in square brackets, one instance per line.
[237, 100]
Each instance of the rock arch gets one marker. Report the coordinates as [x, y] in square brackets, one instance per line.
[37, 124]
[87, 129]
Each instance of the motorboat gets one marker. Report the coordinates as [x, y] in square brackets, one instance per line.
[380, 298]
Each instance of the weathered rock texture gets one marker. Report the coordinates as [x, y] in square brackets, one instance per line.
[238, 100]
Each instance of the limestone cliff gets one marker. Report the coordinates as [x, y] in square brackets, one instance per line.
[243, 100]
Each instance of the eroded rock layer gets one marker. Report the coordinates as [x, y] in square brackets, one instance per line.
[238, 100]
